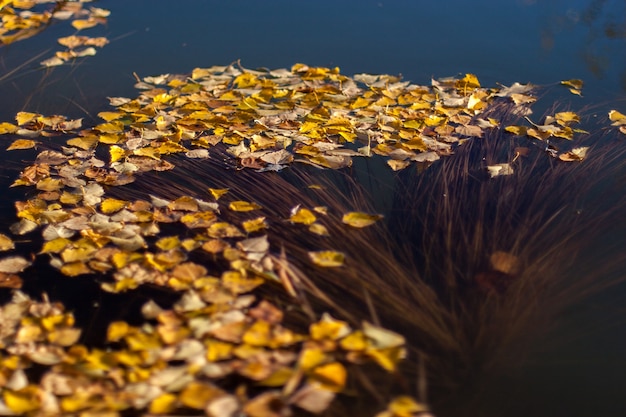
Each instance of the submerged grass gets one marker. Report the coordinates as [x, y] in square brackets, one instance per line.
[474, 271]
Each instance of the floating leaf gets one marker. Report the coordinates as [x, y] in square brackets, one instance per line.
[22, 144]
[13, 264]
[243, 206]
[327, 258]
[359, 220]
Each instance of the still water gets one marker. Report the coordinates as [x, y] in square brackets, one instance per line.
[541, 42]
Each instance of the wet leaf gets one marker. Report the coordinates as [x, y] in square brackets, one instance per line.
[327, 258]
[243, 206]
[22, 144]
[359, 220]
[13, 264]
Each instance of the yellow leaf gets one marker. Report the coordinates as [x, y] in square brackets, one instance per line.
[81, 24]
[566, 117]
[243, 206]
[355, 341]
[327, 258]
[55, 245]
[254, 225]
[163, 404]
[117, 331]
[574, 83]
[22, 144]
[358, 219]
[116, 153]
[389, 358]
[6, 243]
[22, 401]
[73, 269]
[406, 407]
[25, 117]
[516, 130]
[85, 143]
[617, 118]
[329, 328]
[7, 128]
[168, 243]
[332, 376]
[111, 205]
[319, 229]
[303, 216]
[217, 350]
[197, 395]
[218, 192]
[311, 357]
[259, 334]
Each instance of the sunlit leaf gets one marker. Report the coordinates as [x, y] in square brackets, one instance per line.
[358, 219]
[22, 144]
[327, 258]
[243, 206]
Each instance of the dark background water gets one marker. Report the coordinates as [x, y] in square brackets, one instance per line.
[541, 42]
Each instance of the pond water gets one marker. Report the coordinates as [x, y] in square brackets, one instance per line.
[542, 42]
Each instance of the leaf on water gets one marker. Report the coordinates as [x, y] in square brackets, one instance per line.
[575, 85]
[327, 258]
[217, 193]
[319, 229]
[13, 264]
[500, 169]
[359, 219]
[243, 206]
[22, 144]
[302, 216]
[617, 118]
[576, 154]
[6, 243]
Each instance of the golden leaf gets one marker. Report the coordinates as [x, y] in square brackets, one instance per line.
[406, 407]
[163, 404]
[329, 328]
[73, 269]
[358, 219]
[116, 153]
[243, 206]
[303, 216]
[617, 118]
[22, 401]
[327, 258]
[197, 395]
[319, 229]
[218, 192]
[355, 341]
[55, 245]
[254, 225]
[22, 144]
[331, 376]
[111, 205]
[575, 84]
[23, 117]
[7, 128]
[117, 331]
[85, 143]
[6, 243]
[80, 24]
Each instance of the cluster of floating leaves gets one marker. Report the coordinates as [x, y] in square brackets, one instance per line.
[221, 327]
[22, 19]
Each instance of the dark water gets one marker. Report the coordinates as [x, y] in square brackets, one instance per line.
[541, 42]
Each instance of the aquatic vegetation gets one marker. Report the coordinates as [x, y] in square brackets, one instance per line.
[291, 292]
